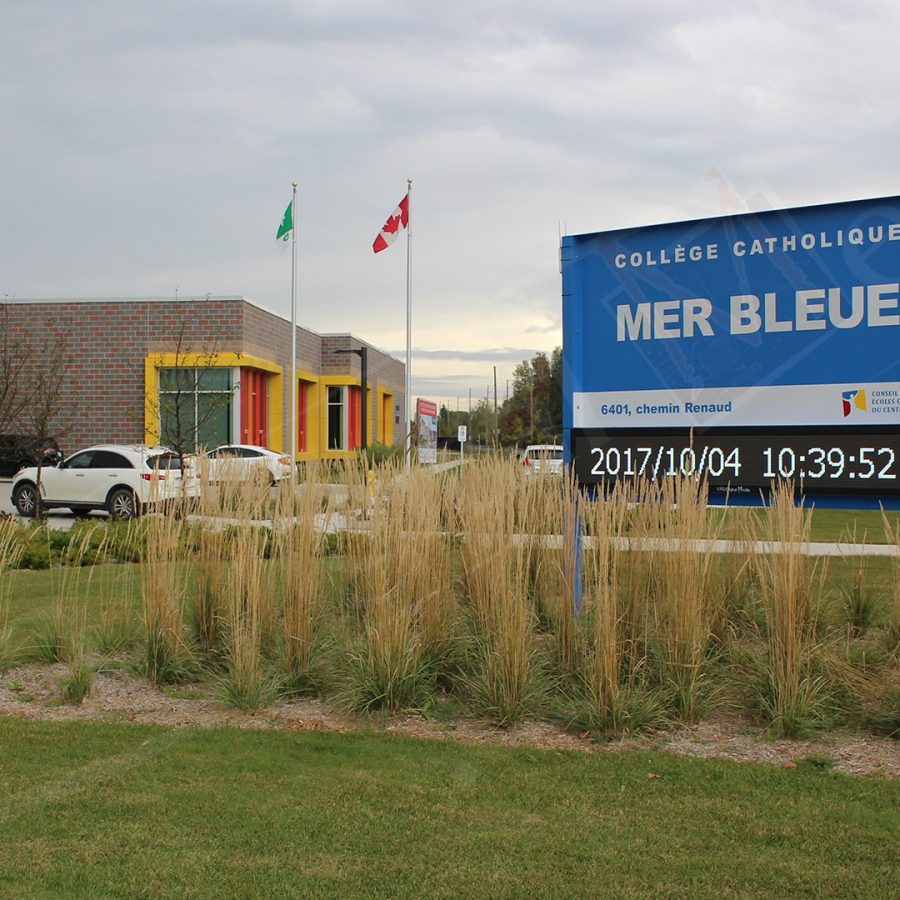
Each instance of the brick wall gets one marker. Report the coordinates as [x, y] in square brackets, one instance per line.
[383, 372]
[104, 344]
[269, 336]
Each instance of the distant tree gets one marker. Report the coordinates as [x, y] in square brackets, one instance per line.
[481, 423]
[449, 423]
[14, 384]
[555, 394]
[533, 412]
[47, 414]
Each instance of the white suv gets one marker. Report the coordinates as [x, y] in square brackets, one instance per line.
[241, 462]
[124, 480]
[543, 458]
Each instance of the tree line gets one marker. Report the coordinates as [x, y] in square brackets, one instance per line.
[531, 413]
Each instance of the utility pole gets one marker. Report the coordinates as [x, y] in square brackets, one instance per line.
[531, 405]
[496, 417]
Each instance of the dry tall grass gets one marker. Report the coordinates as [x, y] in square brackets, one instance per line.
[465, 584]
[249, 597]
[657, 602]
[11, 547]
[418, 502]
[791, 585]
[399, 563]
[549, 517]
[892, 530]
[118, 627]
[249, 606]
[162, 595]
[605, 672]
[685, 603]
[68, 627]
[494, 504]
[298, 547]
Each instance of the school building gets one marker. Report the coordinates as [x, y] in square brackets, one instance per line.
[218, 369]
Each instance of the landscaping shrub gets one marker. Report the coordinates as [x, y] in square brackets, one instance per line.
[462, 591]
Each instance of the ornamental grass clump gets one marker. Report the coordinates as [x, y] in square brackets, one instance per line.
[685, 604]
[861, 607]
[74, 581]
[892, 634]
[11, 547]
[117, 627]
[250, 613]
[399, 578]
[208, 612]
[298, 551]
[167, 657]
[420, 501]
[76, 685]
[614, 695]
[792, 695]
[549, 522]
[60, 635]
[497, 565]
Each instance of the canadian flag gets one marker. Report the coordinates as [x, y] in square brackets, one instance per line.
[398, 219]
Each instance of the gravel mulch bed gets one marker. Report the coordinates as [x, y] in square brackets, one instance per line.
[32, 692]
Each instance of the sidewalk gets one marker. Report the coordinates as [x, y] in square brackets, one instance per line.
[812, 548]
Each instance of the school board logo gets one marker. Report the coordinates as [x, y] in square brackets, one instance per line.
[851, 400]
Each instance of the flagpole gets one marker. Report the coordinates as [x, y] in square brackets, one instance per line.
[293, 417]
[408, 321]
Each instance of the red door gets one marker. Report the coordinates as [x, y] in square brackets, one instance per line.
[302, 395]
[254, 407]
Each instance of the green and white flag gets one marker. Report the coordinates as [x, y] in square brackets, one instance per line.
[287, 224]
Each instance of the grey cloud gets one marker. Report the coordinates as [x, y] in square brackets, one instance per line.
[499, 355]
[149, 145]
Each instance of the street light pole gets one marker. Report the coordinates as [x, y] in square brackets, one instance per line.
[364, 377]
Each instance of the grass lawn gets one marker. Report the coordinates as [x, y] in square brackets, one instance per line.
[864, 526]
[828, 525]
[99, 596]
[90, 810]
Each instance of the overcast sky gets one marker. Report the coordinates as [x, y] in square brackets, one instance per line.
[149, 147]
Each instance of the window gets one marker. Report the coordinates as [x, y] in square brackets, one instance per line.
[194, 407]
[80, 460]
[106, 459]
[164, 461]
[336, 418]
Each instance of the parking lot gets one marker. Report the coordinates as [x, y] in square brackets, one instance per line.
[55, 518]
[63, 519]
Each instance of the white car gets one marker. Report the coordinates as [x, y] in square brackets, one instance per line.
[124, 480]
[543, 458]
[240, 462]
